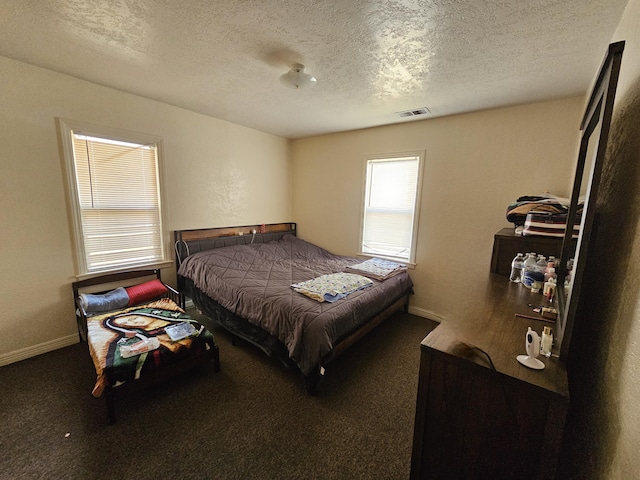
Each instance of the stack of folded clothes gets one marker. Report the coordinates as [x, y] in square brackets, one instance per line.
[544, 215]
[377, 268]
[546, 203]
[548, 225]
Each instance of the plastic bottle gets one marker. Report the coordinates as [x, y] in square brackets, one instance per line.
[528, 267]
[546, 342]
[525, 256]
[551, 273]
[537, 274]
[549, 289]
[516, 268]
[524, 259]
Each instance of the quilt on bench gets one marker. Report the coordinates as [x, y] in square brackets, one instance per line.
[110, 334]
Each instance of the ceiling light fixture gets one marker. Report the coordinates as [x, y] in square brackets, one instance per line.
[297, 78]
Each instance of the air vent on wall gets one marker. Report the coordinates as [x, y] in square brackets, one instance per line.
[414, 112]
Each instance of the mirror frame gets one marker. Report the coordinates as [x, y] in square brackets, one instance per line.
[598, 112]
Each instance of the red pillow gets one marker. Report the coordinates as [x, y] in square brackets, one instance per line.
[145, 291]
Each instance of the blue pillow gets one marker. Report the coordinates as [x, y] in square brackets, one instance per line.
[113, 300]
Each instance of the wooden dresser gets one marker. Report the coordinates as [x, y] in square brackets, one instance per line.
[476, 422]
[506, 244]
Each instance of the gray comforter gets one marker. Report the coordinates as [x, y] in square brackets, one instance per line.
[254, 282]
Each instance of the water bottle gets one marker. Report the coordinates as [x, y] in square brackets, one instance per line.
[526, 257]
[529, 267]
[516, 268]
[541, 265]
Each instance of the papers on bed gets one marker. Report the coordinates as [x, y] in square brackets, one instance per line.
[131, 347]
[180, 330]
[332, 287]
[377, 268]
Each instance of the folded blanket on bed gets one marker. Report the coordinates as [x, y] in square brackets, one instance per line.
[332, 287]
[377, 268]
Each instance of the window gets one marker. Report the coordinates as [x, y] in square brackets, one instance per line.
[114, 188]
[392, 191]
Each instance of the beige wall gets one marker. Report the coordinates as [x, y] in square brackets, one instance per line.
[624, 339]
[217, 174]
[603, 437]
[475, 165]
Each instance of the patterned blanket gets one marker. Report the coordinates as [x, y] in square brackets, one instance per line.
[332, 287]
[129, 343]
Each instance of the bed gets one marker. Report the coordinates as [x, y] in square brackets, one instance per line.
[242, 277]
[137, 333]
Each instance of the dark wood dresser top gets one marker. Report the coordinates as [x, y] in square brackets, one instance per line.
[492, 326]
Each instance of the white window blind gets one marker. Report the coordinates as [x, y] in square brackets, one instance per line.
[390, 203]
[119, 202]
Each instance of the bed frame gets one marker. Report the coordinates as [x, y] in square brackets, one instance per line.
[188, 242]
[125, 279]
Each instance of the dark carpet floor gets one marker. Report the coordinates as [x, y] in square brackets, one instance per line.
[253, 419]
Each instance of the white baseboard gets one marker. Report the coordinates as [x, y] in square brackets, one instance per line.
[28, 352]
[421, 312]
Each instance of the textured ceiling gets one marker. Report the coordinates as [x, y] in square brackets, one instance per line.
[372, 59]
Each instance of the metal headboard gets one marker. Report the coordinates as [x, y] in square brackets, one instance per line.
[188, 242]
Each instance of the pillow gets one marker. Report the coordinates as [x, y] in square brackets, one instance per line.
[145, 292]
[113, 300]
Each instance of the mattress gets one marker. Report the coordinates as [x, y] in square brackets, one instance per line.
[255, 282]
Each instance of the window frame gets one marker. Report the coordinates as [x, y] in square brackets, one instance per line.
[420, 154]
[66, 128]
